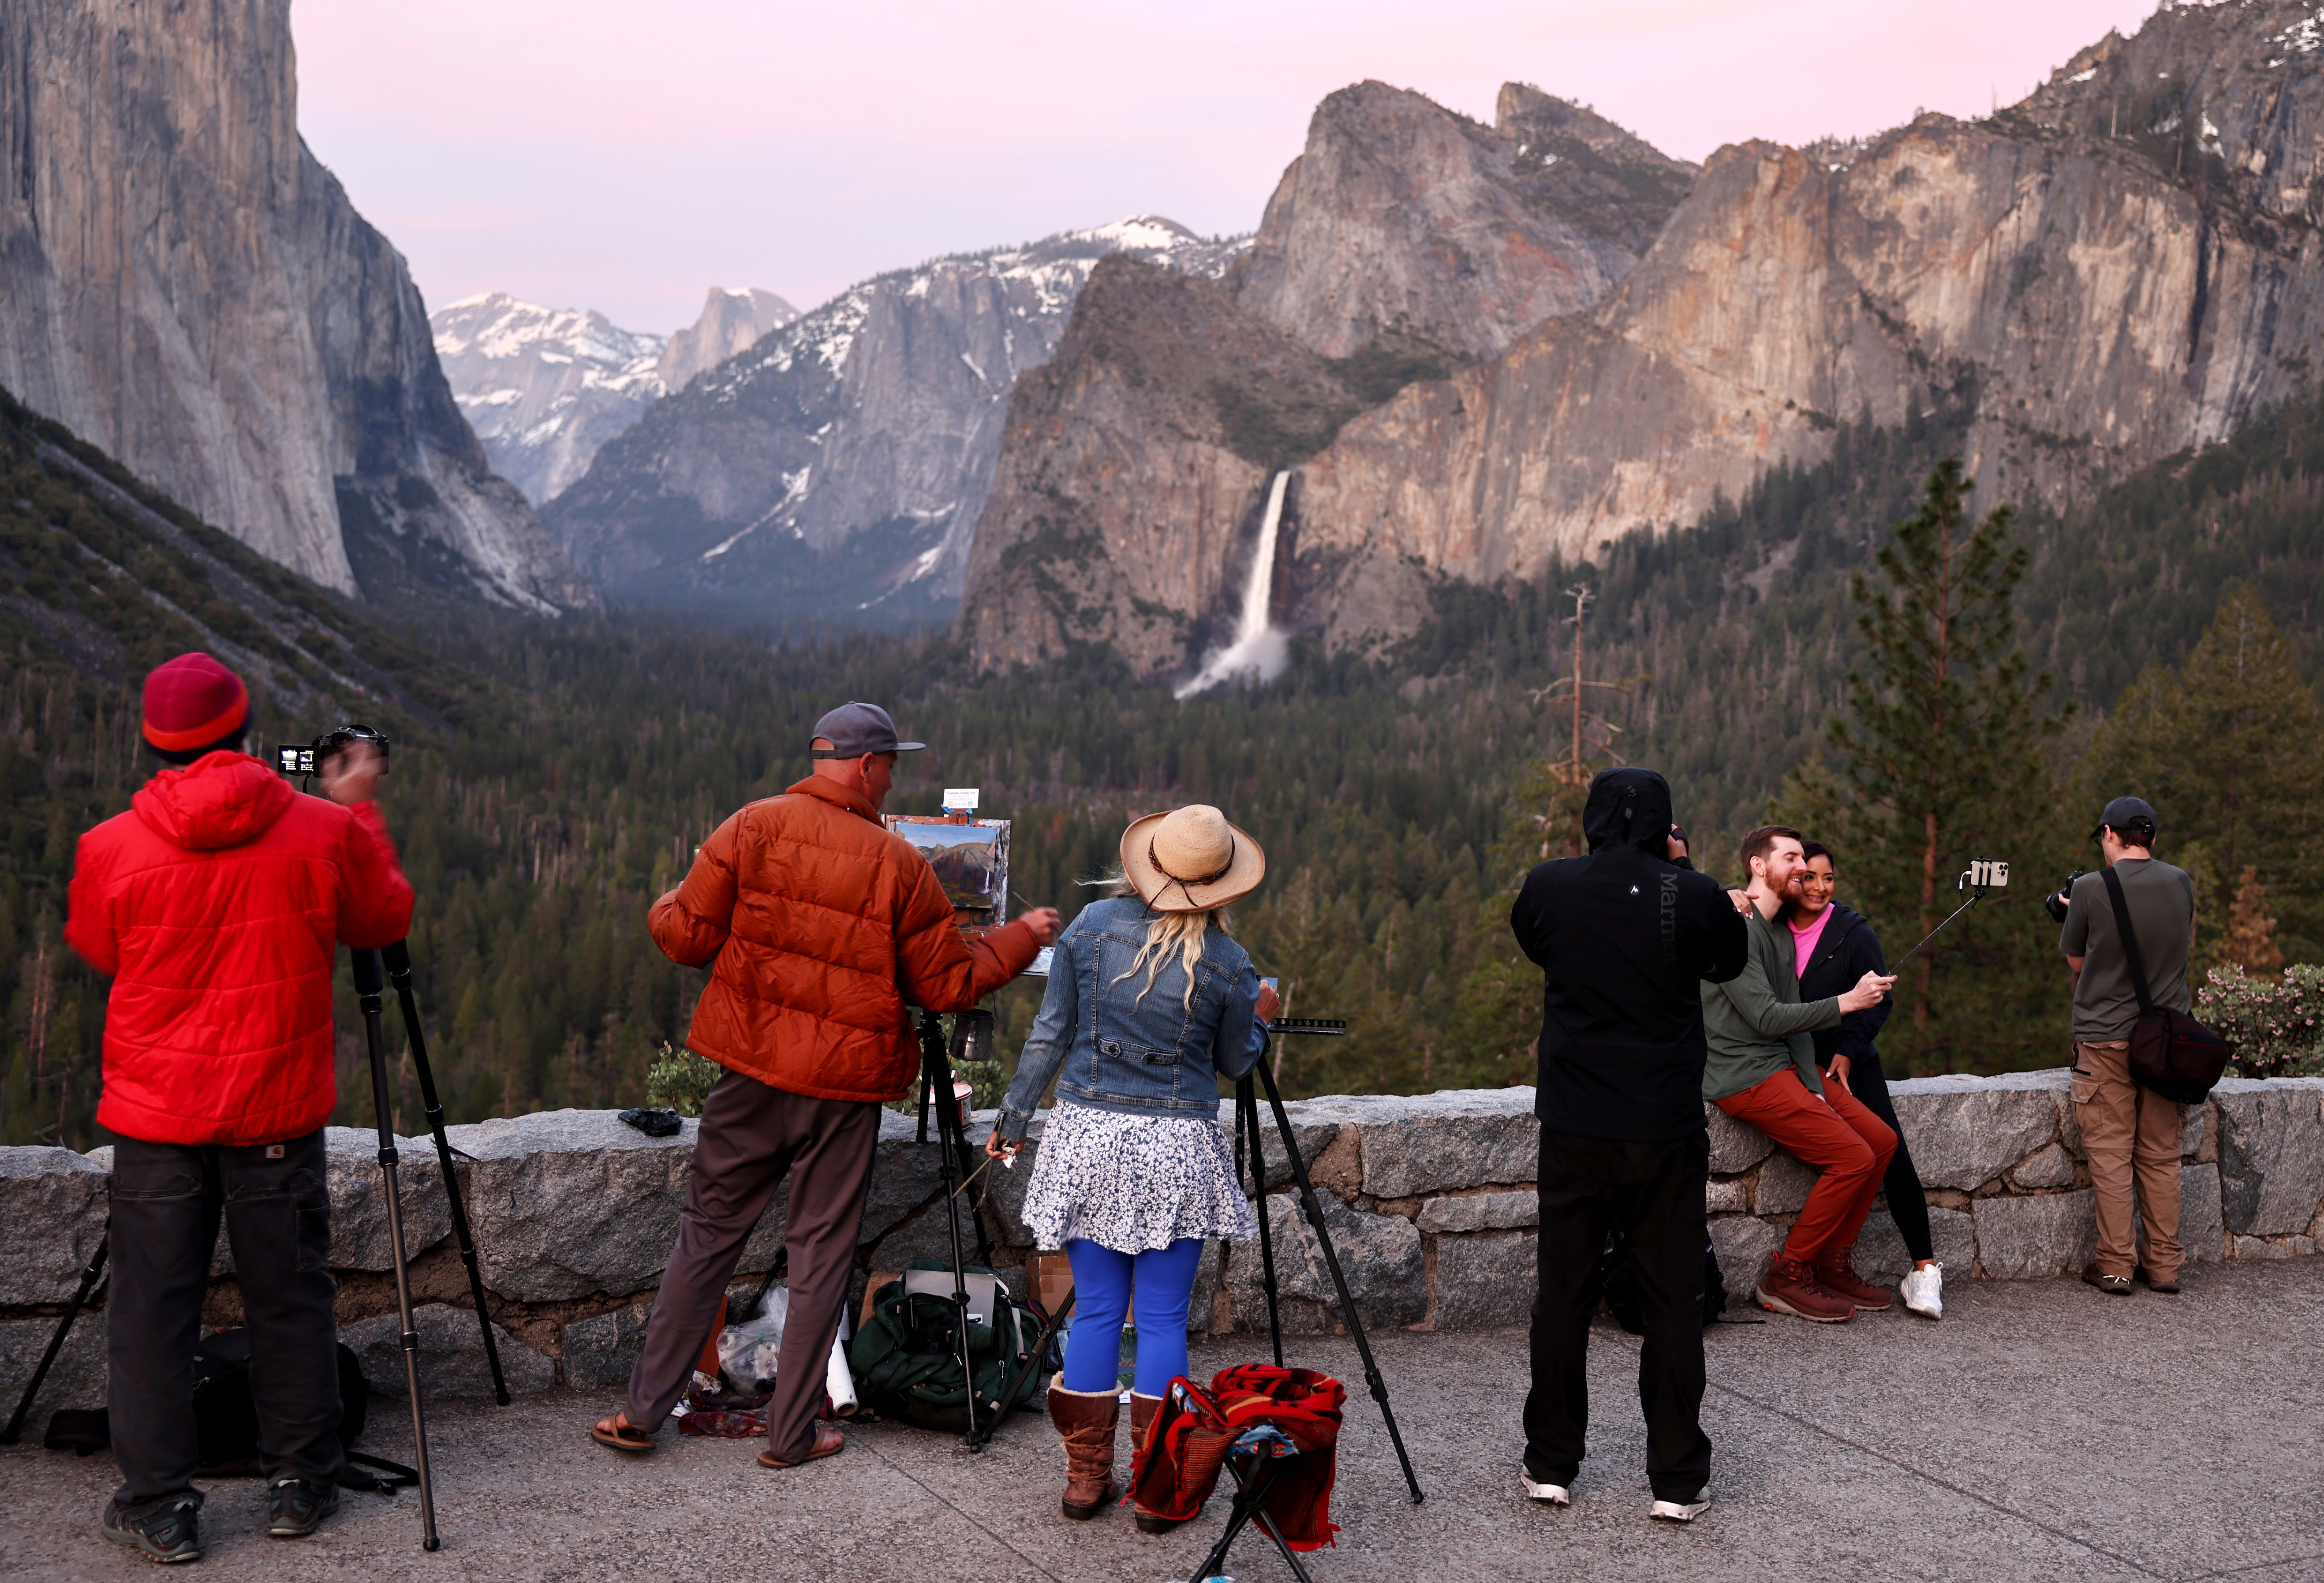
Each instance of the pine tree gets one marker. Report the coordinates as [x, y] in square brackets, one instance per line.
[2230, 751]
[1938, 746]
[2251, 933]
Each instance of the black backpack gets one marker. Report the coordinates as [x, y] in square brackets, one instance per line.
[906, 1357]
[226, 1418]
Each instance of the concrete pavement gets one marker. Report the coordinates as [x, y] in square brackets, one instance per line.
[2042, 1431]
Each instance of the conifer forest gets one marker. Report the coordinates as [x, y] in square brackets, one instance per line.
[1915, 675]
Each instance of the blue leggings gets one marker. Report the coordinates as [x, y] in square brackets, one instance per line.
[1103, 1281]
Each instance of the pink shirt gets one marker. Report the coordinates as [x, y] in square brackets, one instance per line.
[1805, 940]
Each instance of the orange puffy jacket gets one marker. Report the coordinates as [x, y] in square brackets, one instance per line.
[816, 921]
[218, 903]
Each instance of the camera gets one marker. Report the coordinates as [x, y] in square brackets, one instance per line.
[2055, 902]
[312, 757]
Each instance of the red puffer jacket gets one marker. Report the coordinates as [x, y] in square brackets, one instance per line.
[217, 904]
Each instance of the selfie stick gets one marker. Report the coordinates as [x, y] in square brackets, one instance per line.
[89, 1275]
[370, 980]
[1247, 1101]
[1976, 872]
[398, 958]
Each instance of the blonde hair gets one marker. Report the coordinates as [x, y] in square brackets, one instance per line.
[1167, 934]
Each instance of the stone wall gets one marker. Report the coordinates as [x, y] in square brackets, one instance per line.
[1428, 1198]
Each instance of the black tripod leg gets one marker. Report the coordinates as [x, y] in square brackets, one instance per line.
[89, 1275]
[935, 1076]
[398, 958]
[1246, 1104]
[369, 981]
[1339, 1279]
[949, 1115]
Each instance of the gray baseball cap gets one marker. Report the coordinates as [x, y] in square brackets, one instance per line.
[2121, 812]
[854, 730]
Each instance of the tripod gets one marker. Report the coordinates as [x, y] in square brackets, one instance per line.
[370, 980]
[398, 958]
[952, 1145]
[1247, 1125]
[91, 1273]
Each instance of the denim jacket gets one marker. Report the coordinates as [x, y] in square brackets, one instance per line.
[1148, 1054]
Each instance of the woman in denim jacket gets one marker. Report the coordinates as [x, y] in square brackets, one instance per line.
[1149, 1005]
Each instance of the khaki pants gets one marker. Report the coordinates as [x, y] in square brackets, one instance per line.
[2132, 1136]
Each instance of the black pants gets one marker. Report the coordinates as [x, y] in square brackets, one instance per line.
[1906, 1202]
[1653, 1192]
[166, 1199]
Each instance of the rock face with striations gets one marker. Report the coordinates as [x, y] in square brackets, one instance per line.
[731, 323]
[188, 289]
[2120, 266]
[1406, 226]
[1133, 471]
[835, 470]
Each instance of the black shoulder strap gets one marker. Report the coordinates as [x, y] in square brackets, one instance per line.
[2129, 938]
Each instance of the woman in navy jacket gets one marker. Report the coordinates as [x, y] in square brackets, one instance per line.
[1838, 947]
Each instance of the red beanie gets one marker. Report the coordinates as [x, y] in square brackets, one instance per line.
[191, 702]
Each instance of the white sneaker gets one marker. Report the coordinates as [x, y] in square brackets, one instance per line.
[1677, 1512]
[1548, 1495]
[1923, 1291]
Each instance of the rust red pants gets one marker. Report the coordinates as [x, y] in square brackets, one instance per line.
[1835, 1134]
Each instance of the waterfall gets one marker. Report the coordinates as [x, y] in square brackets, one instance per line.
[1257, 649]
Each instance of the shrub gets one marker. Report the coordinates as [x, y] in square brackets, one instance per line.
[679, 1080]
[2276, 1023]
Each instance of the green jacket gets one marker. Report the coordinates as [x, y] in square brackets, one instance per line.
[1755, 1024]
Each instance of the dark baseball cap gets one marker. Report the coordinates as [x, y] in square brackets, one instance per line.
[854, 730]
[2122, 812]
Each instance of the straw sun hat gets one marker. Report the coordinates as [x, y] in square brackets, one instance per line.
[1190, 861]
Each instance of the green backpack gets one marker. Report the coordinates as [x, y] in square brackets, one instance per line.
[905, 1358]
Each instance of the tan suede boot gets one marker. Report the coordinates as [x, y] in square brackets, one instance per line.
[1085, 1421]
[1142, 1409]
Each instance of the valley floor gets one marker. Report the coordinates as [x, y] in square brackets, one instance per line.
[2039, 1431]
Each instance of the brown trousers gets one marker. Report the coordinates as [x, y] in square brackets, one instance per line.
[752, 1135]
[2132, 1136]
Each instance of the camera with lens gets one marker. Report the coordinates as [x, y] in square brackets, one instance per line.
[309, 759]
[2056, 901]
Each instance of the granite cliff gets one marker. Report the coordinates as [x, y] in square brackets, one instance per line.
[2124, 264]
[1407, 226]
[190, 290]
[835, 470]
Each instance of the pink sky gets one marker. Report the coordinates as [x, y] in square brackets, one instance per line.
[626, 157]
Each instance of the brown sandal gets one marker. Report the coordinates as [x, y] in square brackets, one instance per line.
[828, 1442]
[620, 1433]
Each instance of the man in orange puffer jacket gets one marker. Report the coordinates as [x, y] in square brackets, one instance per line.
[217, 905]
[816, 921]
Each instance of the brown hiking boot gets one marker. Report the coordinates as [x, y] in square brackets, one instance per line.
[1142, 1409]
[2166, 1285]
[1835, 1271]
[1791, 1288]
[2112, 1285]
[1085, 1421]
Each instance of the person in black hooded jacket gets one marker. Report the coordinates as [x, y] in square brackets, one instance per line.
[1624, 937]
[1841, 949]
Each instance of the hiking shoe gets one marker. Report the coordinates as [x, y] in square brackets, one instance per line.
[1835, 1271]
[2169, 1288]
[1680, 1511]
[168, 1533]
[1923, 1291]
[1548, 1495]
[2112, 1285]
[296, 1508]
[1791, 1288]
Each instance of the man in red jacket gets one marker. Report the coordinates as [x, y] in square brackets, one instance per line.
[816, 921]
[217, 904]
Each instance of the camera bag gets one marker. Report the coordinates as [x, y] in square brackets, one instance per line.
[905, 1355]
[226, 1418]
[2171, 1053]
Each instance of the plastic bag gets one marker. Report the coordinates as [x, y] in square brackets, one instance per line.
[747, 1351]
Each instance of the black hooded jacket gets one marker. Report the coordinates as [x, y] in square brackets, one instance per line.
[1846, 952]
[1623, 937]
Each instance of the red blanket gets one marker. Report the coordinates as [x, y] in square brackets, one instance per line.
[1178, 1464]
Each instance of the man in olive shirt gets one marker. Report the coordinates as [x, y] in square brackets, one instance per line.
[2131, 1134]
[1762, 1071]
